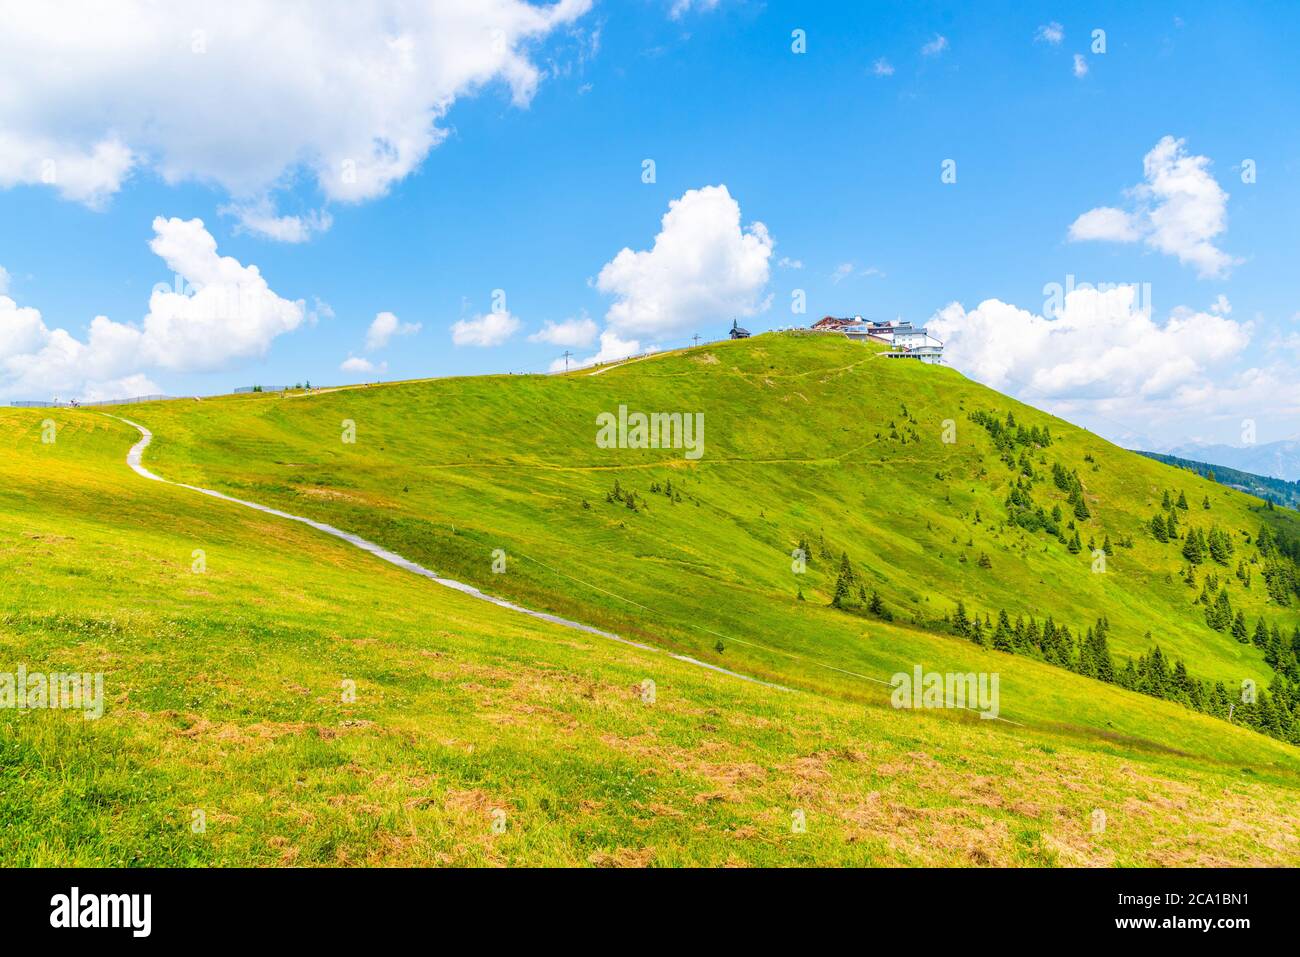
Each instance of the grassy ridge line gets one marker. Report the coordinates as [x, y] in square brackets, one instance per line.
[718, 563]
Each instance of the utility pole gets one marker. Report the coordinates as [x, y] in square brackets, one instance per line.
[696, 337]
[567, 353]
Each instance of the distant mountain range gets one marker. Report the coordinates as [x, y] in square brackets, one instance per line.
[1279, 491]
[1273, 459]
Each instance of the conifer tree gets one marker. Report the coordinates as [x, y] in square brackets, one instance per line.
[960, 623]
[877, 607]
[1003, 635]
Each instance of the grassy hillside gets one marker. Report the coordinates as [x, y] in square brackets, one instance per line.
[223, 687]
[806, 438]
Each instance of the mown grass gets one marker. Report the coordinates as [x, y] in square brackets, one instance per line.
[224, 688]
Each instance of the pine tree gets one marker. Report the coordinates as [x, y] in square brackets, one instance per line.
[877, 607]
[960, 623]
[1182, 501]
[1239, 628]
[1002, 637]
[841, 591]
[846, 569]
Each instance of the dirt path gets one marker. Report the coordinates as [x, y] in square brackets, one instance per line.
[135, 459]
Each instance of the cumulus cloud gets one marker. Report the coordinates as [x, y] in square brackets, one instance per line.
[216, 312]
[882, 67]
[488, 329]
[1102, 343]
[703, 269]
[4, 281]
[247, 95]
[1106, 223]
[785, 262]
[1104, 355]
[1178, 210]
[384, 327]
[1052, 33]
[576, 332]
[1080, 66]
[935, 46]
[361, 365]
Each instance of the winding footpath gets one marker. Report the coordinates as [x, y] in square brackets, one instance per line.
[135, 459]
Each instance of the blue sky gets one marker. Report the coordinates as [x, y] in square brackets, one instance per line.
[836, 151]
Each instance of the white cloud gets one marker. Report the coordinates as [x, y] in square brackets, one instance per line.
[680, 8]
[231, 313]
[1221, 306]
[785, 262]
[1179, 210]
[1052, 33]
[1103, 356]
[488, 329]
[4, 281]
[246, 95]
[845, 270]
[261, 219]
[1105, 223]
[89, 171]
[218, 311]
[1080, 66]
[882, 67]
[361, 365]
[576, 332]
[320, 310]
[703, 270]
[384, 327]
[935, 46]
[612, 348]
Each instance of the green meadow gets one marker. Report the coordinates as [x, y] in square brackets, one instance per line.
[230, 641]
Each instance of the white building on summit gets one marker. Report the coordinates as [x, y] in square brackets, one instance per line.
[907, 341]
